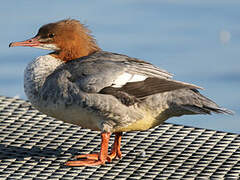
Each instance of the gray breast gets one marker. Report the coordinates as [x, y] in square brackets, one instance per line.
[35, 75]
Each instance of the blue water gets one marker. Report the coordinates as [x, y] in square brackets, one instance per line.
[182, 37]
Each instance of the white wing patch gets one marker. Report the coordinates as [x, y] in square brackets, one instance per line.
[126, 77]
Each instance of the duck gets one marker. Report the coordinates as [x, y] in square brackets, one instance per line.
[80, 84]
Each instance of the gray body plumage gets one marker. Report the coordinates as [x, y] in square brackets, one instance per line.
[91, 92]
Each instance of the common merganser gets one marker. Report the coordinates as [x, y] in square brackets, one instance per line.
[81, 84]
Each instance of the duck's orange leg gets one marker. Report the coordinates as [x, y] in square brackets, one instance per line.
[115, 152]
[94, 159]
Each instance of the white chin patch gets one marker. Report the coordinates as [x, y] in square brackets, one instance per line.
[48, 47]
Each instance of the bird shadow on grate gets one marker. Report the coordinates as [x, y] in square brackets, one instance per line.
[14, 152]
[35, 152]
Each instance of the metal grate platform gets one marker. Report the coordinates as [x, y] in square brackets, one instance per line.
[34, 146]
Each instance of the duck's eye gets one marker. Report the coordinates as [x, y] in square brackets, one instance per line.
[51, 35]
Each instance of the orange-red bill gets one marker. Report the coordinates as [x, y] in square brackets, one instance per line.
[30, 42]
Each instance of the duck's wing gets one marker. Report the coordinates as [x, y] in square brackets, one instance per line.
[126, 78]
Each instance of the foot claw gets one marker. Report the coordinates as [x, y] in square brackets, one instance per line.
[114, 155]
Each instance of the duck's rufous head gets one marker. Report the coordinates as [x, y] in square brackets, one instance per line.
[69, 39]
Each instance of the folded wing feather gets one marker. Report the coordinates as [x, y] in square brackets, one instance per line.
[141, 86]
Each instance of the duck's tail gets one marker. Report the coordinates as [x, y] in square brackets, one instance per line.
[190, 101]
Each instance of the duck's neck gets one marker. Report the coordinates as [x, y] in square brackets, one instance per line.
[68, 55]
[36, 73]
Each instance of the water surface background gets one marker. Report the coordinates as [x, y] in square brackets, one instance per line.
[198, 41]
